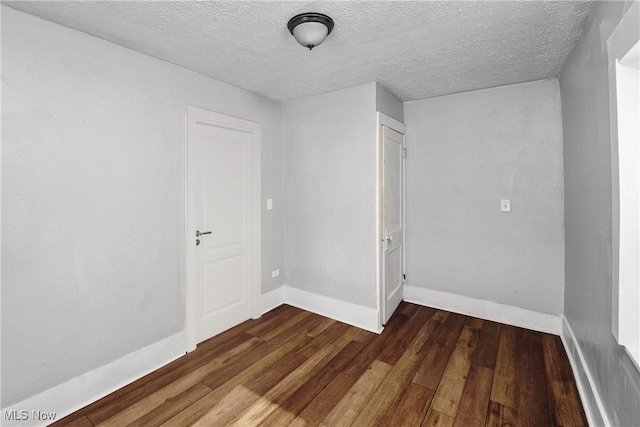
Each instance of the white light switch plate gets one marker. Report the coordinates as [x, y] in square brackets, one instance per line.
[505, 205]
[269, 204]
[275, 273]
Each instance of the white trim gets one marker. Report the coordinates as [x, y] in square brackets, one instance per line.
[483, 309]
[353, 314]
[389, 122]
[189, 252]
[272, 299]
[625, 324]
[84, 389]
[256, 215]
[591, 401]
[384, 120]
[342, 311]
[379, 252]
[194, 114]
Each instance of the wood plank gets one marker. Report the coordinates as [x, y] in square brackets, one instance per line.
[474, 323]
[501, 415]
[158, 397]
[437, 419]
[206, 350]
[313, 414]
[214, 343]
[329, 335]
[398, 335]
[379, 408]
[358, 366]
[449, 391]
[533, 406]
[563, 395]
[431, 369]
[296, 403]
[348, 408]
[451, 330]
[119, 400]
[365, 337]
[407, 308]
[172, 406]
[194, 412]
[505, 377]
[270, 401]
[286, 312]
[401, 339]
[442, 317]
[219, 377]
[412, 407]
[283, 326]
[440, 321]
[242, 396]
[350, 335]
[447, 361]
[228, 345]
[321, 327]
[486, 351]
[73, 420]
[474, 403]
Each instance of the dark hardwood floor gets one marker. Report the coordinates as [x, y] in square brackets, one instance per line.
[291, 367]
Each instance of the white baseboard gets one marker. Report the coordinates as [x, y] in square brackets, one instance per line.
[483, 309]
[593, 405]
[342, 311]
[271, 299]
[84, 389]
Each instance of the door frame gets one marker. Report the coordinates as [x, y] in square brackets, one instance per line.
[384, 120]
[193, 115]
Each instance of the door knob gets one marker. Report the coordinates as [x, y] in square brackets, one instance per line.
[202, 233]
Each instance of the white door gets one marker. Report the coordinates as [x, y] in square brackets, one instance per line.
[222, 228]
[392, 210]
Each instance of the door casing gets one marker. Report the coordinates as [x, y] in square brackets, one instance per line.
[193, 115]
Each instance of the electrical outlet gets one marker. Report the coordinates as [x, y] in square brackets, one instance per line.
[275, 273]
[505, 205]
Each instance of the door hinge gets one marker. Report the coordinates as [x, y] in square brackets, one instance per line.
[404, 153]
[404, 276]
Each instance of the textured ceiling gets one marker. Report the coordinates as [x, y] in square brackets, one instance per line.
[416, 49]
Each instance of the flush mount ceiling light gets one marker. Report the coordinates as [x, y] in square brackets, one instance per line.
[310, 29]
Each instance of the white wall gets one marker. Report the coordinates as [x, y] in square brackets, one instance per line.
[93, 199]
[584, 86]
[388, 104]
[465, 153]
[329, 181]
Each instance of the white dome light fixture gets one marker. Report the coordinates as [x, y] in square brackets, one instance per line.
[310, 29]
